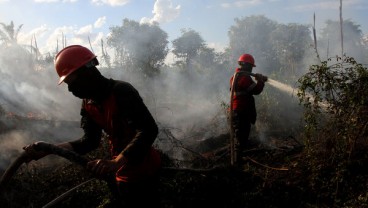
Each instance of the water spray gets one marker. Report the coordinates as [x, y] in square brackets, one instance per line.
[276, 84]
[281, 86]
[288, 89]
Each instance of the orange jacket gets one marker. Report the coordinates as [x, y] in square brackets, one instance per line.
[131, 130]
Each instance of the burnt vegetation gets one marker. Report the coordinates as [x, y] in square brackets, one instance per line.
[308, 150]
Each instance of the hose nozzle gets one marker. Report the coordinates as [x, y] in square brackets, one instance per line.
[260, 77]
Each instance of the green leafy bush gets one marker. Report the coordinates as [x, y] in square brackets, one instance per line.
[335, 96]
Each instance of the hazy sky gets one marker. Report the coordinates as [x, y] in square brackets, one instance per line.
[47, 20]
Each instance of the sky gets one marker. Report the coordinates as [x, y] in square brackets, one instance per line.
[82, 20]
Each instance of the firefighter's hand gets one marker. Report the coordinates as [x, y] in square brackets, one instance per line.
[260, 77]
[103, 167]
[32, 153]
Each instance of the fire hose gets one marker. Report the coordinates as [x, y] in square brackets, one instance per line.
[231, 125]
[50, 149]
[62, 196]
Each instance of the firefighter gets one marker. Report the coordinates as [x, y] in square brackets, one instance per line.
[115, 108]
[242, 106]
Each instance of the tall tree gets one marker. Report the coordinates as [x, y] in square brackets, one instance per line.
[206, 58]
[252, 35]
[139, 46]
[187, 46]
[291, 43]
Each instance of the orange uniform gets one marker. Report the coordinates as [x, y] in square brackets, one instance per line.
[244, 89]
[130, 128]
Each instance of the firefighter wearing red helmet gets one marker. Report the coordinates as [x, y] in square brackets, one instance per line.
[115, 108]
[72, 58]
[242, 104]
[246, 58]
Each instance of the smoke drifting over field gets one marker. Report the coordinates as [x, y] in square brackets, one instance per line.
[185, 105]
[189, 107]
[32, 90]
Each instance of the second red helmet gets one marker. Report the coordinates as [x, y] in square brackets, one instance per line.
[70, 59]
[247, 58]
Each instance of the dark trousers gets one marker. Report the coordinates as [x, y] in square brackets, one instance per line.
[241, 125]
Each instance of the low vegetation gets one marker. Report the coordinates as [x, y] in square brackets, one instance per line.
[324, 166]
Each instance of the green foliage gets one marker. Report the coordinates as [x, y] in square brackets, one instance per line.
[335, 98]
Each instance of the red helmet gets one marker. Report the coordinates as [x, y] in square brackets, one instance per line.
[70, 59]
[247, 58]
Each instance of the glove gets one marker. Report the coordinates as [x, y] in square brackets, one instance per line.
[32, 153]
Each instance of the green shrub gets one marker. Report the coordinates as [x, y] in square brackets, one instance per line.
[335, 96]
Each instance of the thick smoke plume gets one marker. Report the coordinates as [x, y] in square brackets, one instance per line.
[30, 97]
